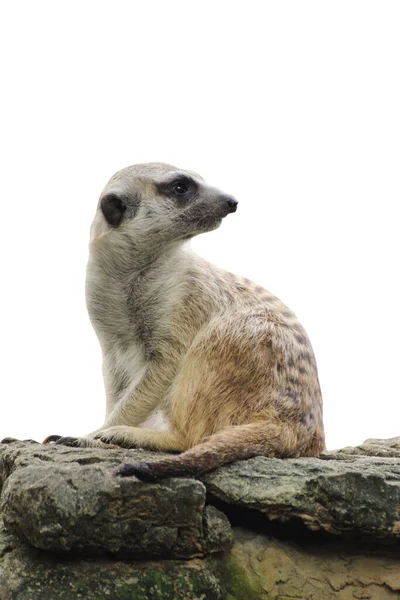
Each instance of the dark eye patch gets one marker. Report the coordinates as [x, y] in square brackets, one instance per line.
[181, 188]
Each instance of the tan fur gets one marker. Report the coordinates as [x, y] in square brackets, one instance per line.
[227, 362]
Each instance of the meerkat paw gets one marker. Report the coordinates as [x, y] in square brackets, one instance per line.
[119, 435]
[76, 442]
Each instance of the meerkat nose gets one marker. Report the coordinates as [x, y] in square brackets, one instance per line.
[231, 203]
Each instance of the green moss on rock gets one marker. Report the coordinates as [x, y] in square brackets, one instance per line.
[236, 581]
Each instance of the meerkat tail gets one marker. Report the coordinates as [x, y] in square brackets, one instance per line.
[232, 443]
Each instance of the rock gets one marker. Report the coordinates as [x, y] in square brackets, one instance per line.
[258, 567]
[217, 530]
[372, 447]
[28, 574]
[355, 496]
[311, 529]
[15, 454]
[337, 570]
[89, 510]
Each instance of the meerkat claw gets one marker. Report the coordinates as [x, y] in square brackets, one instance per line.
[51, 438]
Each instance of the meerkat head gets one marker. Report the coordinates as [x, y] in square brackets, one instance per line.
[156, 203]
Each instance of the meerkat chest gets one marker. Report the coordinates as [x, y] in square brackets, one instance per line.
[123, 367]
[132, 314]
[124, 354]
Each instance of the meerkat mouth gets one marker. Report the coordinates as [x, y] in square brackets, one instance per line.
[210, 222]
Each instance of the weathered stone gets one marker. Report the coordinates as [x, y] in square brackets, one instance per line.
[373, 447]
[217, 530]
[28, 574]
[90, 510]
[338, 570]
[258, 567]
[69, 500]
[358, 495]
[15, 454]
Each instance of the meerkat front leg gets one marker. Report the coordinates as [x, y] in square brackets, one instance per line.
[77, 442]
[120, 428]
[134, 437]
[122, 436]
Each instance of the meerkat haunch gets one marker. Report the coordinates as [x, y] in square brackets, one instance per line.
[226, 362]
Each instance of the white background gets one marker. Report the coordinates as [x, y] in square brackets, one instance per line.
[293, 107]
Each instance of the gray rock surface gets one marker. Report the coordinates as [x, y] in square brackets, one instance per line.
[358, 495]
[258, 567]
[74, 530]
[62, 506]
[372, 447]
[30, 574]
[16, 454]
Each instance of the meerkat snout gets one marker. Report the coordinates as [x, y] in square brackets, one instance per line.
[231, 203]
[227, 204]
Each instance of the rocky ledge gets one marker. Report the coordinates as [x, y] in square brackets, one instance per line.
[324, 528]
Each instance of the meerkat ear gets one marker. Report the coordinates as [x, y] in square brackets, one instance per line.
[113, 208]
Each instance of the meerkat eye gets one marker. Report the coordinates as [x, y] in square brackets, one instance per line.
[180, 188]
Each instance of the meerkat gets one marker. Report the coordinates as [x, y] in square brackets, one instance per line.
[227, 363]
